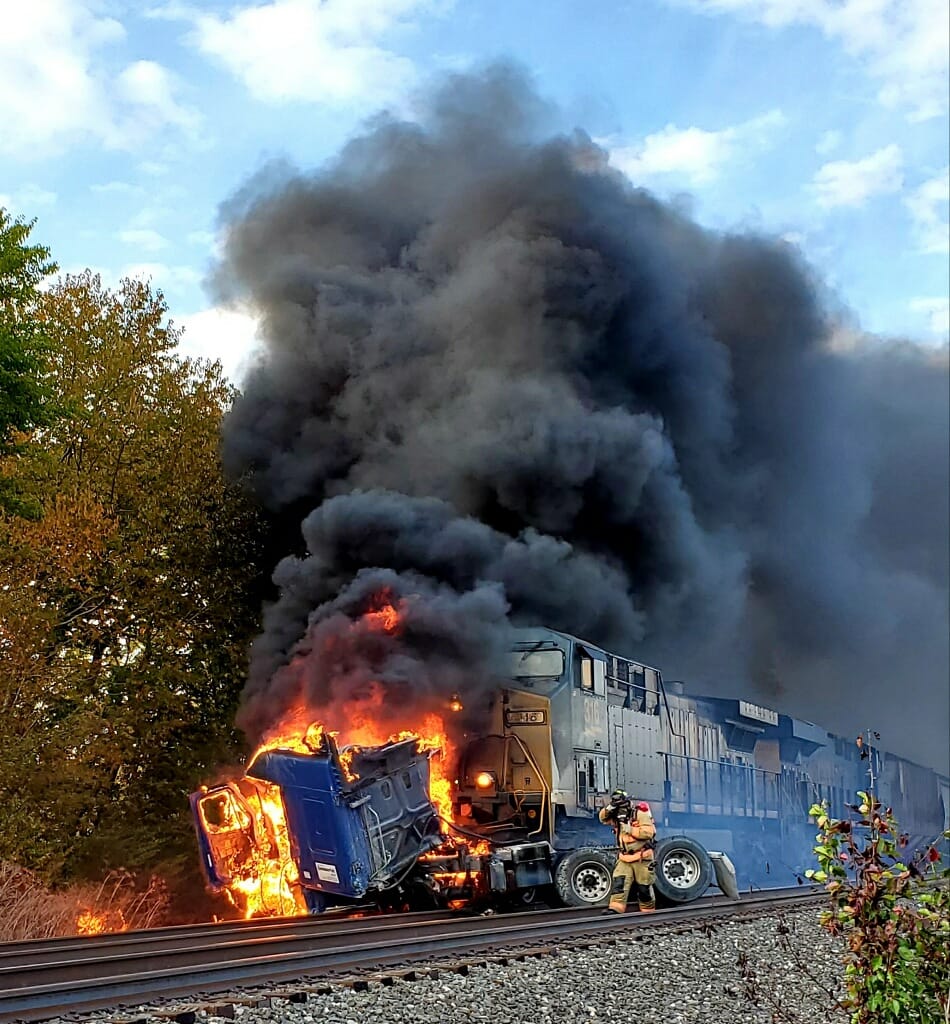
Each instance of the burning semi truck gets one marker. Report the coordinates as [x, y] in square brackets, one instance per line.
[315, 822]
[311, 826]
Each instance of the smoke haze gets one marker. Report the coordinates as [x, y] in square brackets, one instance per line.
[508, 387]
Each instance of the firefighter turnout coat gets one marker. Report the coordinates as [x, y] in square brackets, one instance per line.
[634, 867]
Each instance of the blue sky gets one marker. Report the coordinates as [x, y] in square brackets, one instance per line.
[123, 125]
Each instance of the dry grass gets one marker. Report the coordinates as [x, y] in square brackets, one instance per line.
[30, 910]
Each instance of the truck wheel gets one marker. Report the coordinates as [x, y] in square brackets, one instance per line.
[584, 878]
[683, 869]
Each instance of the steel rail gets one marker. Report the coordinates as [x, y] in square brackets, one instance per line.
[33, 952]
[108, 977]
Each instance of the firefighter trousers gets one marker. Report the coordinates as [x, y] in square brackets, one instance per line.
[637, 878]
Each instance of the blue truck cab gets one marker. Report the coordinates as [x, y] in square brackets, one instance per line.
[298, 827]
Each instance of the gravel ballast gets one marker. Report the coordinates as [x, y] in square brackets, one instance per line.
[666, 977]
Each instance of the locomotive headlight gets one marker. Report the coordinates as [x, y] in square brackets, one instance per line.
[484, 780]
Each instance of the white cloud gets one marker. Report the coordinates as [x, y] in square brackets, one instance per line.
[47, 87]
[116, 188]
[929, 205]
[323, 51]
[154, 168]
[143, 238]
[165, 276]
[694, 155]
[212, 242]
[828, 142]
[937, 312]
[150, 90]
[25, 201]
[205, 239]
[155, 211]
[162, 275]
[852, 183]
[222, 334]
[902, 43]
[55, 89]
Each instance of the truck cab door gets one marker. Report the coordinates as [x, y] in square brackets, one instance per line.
[226, 833]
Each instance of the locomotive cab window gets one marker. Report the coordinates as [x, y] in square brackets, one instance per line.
[592, 674]
[587, 673]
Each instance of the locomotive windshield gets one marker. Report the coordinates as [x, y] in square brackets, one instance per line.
[546, 663]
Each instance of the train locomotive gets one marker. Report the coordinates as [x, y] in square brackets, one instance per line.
[729, 782]
[732, 775]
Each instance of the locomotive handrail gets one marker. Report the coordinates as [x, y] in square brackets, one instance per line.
[545, 790]
[727, 771]
[623, 684]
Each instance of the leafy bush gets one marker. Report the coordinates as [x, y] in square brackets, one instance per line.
[894, 914]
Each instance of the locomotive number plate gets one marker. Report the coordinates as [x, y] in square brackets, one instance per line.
[525, 717]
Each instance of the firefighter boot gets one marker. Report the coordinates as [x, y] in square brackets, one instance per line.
[623, 880]
[644, 875]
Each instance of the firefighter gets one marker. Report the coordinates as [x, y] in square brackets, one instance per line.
[636, 838]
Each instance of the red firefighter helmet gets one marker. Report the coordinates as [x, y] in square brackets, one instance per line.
[643, 806]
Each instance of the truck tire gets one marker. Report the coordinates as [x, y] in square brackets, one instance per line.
[683, 870]
[583, 878]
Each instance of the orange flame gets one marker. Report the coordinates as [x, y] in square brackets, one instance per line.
[385, 618]
[263, 875]
[267, 882]
[267, 885]
[89, 922]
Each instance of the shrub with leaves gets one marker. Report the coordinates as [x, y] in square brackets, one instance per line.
[893, 909]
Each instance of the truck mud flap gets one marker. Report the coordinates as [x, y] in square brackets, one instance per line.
[725, 874]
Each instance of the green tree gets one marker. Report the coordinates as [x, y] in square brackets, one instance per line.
[24, 394]
[125, 659]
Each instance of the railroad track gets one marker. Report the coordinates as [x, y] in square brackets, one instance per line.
[51, 977]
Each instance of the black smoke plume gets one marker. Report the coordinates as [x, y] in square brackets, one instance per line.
[510, 387]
